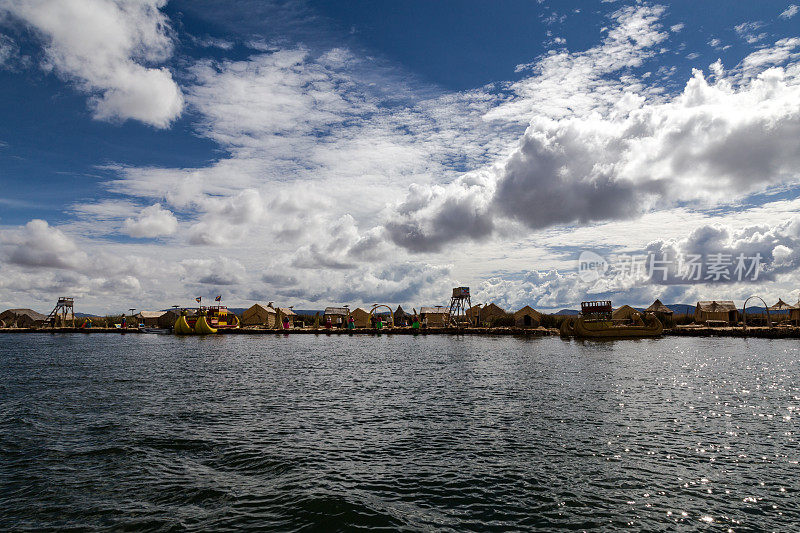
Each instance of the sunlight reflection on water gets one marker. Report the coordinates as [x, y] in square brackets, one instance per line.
[148, 432]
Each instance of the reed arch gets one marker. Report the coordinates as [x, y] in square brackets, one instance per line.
[744, 311]
[377, 306]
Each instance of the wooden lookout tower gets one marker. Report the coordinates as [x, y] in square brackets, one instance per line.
[59, 313]
[459, 303]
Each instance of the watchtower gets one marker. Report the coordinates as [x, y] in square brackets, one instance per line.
[459, 304]
[62, 308]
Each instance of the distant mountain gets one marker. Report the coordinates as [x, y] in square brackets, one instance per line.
[567, 312]
[681, 309]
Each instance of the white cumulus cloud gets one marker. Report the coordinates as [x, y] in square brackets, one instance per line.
[107, 48]
[153, 221]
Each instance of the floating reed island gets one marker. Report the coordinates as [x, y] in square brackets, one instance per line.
[595, 320]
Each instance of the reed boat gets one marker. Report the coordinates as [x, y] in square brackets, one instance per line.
[596, 322]
[206, 321]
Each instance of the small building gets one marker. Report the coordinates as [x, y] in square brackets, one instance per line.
[780, 307]
[285, 312]
[437, 317]
[148, 318]
[484, 315]
[794, 313]
[168, 318]
[401, 318]
[659, 309]
[361, 318]
[338, 316]
[259, 315]
[781, 312]
[626, 312]
[527, 317]
[22, 318]
[719, 311]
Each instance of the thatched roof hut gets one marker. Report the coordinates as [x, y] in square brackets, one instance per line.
[437, 317]
[659, 308]
[485, 315]
[148, 318]
[260, 315]
[361, 318]
[400, 316]
[284, 313]
[168, 318]
[527, 317]
[338, 315]
[722, 310]
[780, 305]
[794, 313]
[22, 318]
[626, 312]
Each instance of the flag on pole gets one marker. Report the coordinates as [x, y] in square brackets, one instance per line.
[198, 299]
[218, 298]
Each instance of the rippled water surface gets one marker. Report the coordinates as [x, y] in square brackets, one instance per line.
[397, 432]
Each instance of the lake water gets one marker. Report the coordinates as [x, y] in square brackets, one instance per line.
[397, 432]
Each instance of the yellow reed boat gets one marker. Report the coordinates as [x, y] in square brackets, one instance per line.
[206, 321]
[596, 322]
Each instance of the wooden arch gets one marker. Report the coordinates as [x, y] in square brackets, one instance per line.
[744, 311]
[376, 306]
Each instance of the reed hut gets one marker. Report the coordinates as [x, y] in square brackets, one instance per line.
[781, 311]
[658, 308]
[527, 317]
[148, 318]
[22, 318]
[794, 313]
[780, 306]
[437, 317]
[401, 318]
[285, 312]
[485, 315]
[168, 318]
[626, 312]
[338, 316]
[260, 315]
[716, 311]
[661, 311]
[361, 318]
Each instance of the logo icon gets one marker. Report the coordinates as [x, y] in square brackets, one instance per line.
[591, 266]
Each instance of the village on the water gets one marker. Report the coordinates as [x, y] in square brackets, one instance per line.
[596, 319]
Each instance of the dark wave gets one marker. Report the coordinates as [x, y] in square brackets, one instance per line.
[374, 433]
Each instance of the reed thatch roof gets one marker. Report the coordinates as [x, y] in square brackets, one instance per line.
[659, 307]
[781, 306]
[30, 313]
[149, 314]
[715, 306]
[626, 311]
[527, 310]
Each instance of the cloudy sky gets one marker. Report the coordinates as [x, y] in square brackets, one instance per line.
[311, 154]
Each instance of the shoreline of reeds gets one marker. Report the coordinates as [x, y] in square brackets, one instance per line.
[792, 332]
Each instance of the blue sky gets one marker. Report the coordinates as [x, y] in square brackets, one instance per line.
[317, 153]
